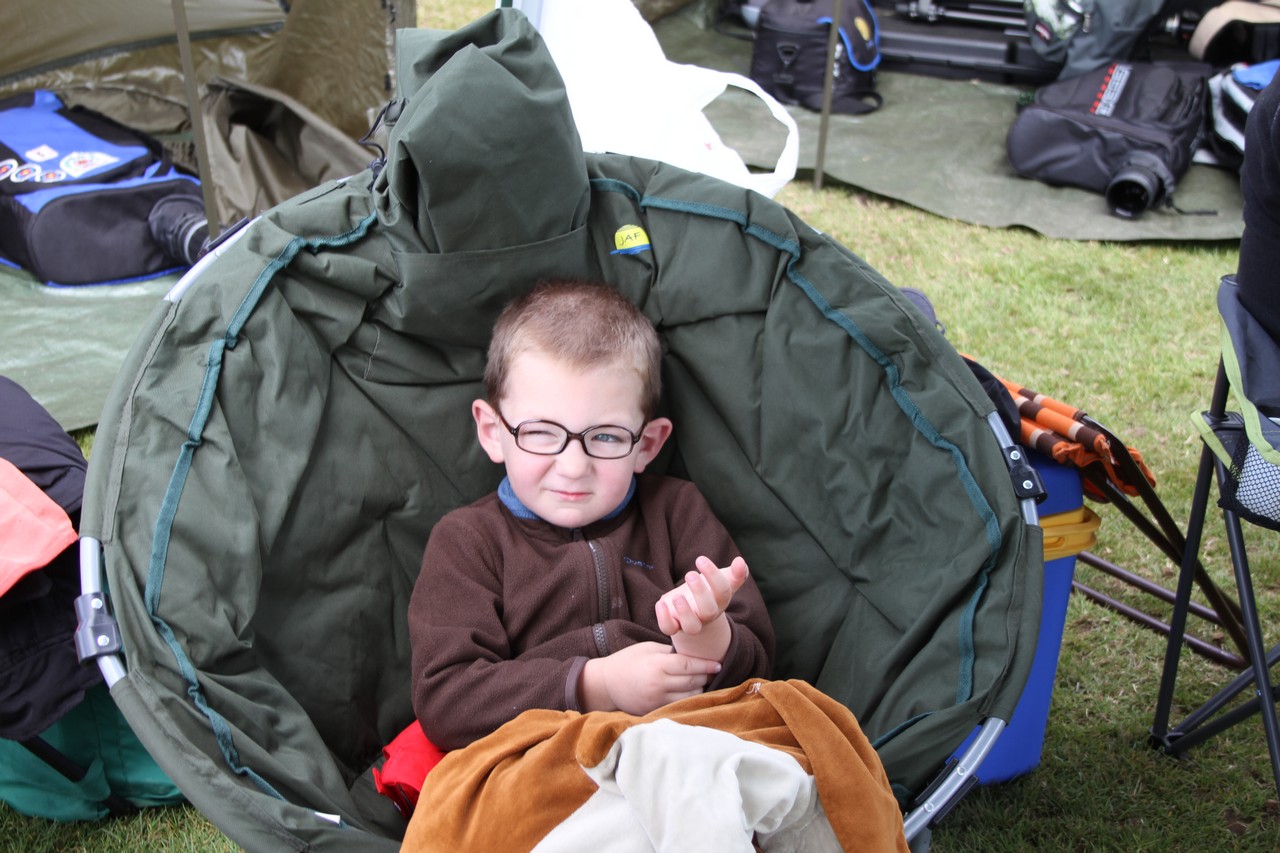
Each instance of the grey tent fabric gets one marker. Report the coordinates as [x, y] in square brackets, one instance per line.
[45, 35]
[120, 57]
[265, 147]
[285, 89]
[283, 436]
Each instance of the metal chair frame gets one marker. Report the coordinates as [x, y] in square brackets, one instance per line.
[1207, 721]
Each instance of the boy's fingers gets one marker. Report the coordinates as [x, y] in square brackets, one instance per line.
[667, 623]
[682, 665]
[687, 616]
[709, 597]
[721, 584]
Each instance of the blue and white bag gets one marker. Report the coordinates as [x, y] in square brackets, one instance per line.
[84, 199]
[1232, 93]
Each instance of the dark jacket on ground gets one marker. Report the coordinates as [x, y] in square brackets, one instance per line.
[507, 611]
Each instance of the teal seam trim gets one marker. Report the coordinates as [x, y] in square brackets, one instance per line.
[181, 469]
[991, 527]
[902, 793]
[615, 186]
[898, 729]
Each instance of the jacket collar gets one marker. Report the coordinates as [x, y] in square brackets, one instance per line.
[507, 495]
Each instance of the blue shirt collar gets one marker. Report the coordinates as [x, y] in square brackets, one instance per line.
[507, 495]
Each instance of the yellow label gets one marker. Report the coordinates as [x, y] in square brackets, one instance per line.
[630, 238]
[863, 27]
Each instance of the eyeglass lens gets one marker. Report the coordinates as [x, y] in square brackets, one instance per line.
[546, 437]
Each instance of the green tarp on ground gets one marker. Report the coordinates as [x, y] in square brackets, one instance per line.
[938, 144]
[64, 345]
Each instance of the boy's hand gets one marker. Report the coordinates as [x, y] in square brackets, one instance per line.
[643, 677]
[702, 598]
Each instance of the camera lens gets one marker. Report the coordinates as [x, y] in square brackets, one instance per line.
[1132, 190]
[179, 227]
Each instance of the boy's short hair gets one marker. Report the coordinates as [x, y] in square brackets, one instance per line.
[584, 323]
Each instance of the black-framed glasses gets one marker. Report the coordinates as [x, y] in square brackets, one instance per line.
[547, 438]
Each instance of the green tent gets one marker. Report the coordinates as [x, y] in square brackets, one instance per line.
[321, 69]
[284, 98]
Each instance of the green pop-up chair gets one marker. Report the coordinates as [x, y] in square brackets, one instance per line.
[294, 418]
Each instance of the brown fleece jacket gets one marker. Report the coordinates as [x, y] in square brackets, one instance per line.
[506, 611]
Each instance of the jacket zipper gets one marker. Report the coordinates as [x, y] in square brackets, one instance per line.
[602, 597]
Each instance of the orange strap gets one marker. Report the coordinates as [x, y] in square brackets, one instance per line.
[1057, 430]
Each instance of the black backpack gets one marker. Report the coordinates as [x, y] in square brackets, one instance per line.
[1128, 131]
[789, 60]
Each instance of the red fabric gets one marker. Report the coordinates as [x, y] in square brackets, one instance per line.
[408, 760]
[33, 529]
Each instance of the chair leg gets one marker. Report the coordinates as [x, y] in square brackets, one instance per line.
[1253, 632]
[1202, 724]
[1205, 722]
[1160, 734]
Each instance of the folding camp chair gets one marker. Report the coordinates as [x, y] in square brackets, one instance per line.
[1242, 449]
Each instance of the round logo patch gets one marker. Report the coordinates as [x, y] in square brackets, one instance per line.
[26, 172]
[629, 240]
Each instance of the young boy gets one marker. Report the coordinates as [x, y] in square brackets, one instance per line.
[562, 589]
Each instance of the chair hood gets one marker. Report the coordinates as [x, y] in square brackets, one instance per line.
[465, 186]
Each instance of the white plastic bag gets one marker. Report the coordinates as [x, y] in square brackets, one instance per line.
[628, 98]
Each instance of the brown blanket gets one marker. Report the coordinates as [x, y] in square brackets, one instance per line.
[776, 764]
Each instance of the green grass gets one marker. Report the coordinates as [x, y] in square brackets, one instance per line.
[177, 829]
[1127, 332]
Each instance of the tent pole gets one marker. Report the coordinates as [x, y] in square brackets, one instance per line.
[532, 9]
[828, 83]
[197, 117]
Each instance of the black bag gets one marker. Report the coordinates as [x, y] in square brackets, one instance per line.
[85, 199]
[789, 60]
[1084, 35]
[1128, 131]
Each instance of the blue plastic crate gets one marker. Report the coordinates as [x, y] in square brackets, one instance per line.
[1019, 748]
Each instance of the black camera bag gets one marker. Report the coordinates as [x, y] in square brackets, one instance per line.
[1128, 131]
[789, 59]
[78, 191]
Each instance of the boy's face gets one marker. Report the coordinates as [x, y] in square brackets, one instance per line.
[569, 489]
